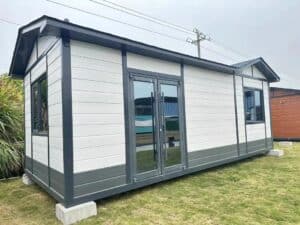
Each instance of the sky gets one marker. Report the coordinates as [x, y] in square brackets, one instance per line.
[240, 30]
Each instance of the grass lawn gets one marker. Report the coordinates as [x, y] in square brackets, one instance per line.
[262, 190]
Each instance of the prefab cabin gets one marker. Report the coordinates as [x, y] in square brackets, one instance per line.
[105, 114]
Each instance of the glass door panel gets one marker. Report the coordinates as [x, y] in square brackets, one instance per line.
[145, 127]
[170, 125]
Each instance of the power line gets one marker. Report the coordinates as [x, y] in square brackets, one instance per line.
[143, 16]
[162, 22]
[10, 22]
[115, 20]
[131, 25]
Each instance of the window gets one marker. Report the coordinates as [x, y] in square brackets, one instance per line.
[40, 106]
[254, 106]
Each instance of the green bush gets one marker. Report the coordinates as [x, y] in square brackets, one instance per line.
[11, 127]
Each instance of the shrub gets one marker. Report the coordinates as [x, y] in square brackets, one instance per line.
[11, 127]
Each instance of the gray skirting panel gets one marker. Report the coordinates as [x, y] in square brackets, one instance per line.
[206, 156]
[98, 180]
[212, 155]
[41, 171]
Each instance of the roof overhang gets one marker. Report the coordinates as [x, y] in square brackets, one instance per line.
[261, 65]
[45, 25]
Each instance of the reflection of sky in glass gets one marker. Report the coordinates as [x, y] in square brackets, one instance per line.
[257, 98]
[169, 90]
[142, 89]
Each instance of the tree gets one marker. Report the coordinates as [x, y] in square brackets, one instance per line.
[11, 126]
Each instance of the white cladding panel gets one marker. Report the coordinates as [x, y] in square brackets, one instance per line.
[210, 115]
[98, 110]
[267, 109]
[40, 149]
[55, 105]
[240, 108]
[255, 131]
[257, 73]
[44, 43]
[151, 64]
[27, 114]
[252, 83]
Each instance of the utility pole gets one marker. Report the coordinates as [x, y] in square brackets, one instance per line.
[200, 36]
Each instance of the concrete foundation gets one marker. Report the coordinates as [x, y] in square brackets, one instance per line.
[76, 213]
[285, 143]
[26, 180]
[276, 152]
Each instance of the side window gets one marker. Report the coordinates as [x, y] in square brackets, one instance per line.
[40, 106]
[254, 107]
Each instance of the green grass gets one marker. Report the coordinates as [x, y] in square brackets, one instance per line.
[262, 190]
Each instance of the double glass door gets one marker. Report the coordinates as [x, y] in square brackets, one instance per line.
[157, 126]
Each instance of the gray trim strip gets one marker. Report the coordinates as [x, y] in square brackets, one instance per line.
[184, 116]
[143, 183]
[99, 174]
[67, 122]
[244, 108]
[126, 97]
[50, 190]
[263, 104]
[236, 116]
[270, 112]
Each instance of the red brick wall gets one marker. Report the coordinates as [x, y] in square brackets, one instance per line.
[285, 106]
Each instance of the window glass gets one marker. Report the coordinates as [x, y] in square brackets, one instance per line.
[40, 106]
[35, 106]
[254, 105]
[44, 105]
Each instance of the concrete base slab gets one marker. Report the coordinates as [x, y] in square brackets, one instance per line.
[276, 152]
[285, 143]
[76, 213]
[26, 180]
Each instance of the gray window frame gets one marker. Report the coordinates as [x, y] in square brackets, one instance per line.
[262, 105]
[38, 132]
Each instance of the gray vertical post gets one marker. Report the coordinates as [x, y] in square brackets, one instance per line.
[236, 115]
[67, 122]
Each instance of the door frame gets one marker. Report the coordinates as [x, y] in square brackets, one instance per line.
[148, 75]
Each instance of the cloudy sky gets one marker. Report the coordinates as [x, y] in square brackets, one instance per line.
[240, 30]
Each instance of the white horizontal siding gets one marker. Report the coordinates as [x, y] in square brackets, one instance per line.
[210, 115]
[55, 105]
[40, 149]
[240, 109]
[267, 110]
[153, 65]
[257, 73]
[39, 69]
[252, 83]
[255, 131]
[44, 43]
[98, 113]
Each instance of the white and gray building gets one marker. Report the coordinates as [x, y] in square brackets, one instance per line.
[105, 114]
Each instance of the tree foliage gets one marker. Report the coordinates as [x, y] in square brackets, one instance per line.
[11, 126]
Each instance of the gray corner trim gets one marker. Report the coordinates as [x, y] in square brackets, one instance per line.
[236, 116]
[245, 124]
[37, 48]
[270, 112]
[48, 144]
[265, 123]
[24, 125]
[184, 115]
[45, 187]
[31, 145]
[126, 98]
[67, 121]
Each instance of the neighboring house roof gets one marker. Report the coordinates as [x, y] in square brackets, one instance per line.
[46, 25]
[287, 82]
[261, 65]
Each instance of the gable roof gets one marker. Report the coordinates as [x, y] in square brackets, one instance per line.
[45, 25]
[261, 65]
